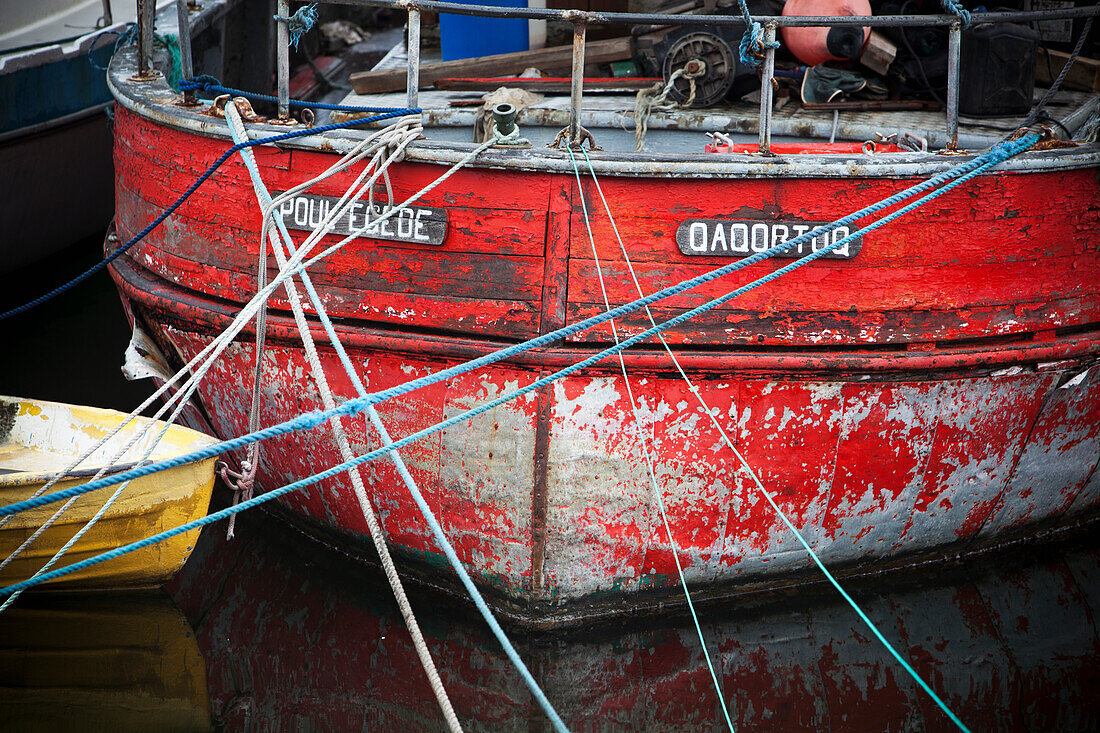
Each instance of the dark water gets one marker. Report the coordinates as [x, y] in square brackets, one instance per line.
[275, 632]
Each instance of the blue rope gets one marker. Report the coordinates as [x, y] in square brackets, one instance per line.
[124, 36]
[992, 158]
[299, 23]
[207, 83]
[179, 202]
[955, 8]
[752, 42]
[309, 420]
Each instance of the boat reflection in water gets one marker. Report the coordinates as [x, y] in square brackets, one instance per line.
[123, 661]
[297, 638]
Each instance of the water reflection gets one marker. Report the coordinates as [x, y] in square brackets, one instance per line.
[108, 662]
[296, 638]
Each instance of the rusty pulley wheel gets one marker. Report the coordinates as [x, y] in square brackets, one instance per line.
[720, 63]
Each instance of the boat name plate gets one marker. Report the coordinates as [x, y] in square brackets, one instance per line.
[416, 224]
[744, 237]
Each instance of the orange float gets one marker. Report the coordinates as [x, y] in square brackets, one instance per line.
[813, 46]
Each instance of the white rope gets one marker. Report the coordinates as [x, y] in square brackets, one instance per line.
[213, 350]
[644, 442]
[655, 99]
[398, 137]
[321, 381]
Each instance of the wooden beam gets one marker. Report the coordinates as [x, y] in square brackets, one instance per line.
[548, 85]
[1084, 75]
[502, 64]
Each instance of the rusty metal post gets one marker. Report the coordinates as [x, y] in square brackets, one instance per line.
[954, 50]
[282, 50]
[108, 18]
[187, 67]
[766, 90]
[412, 85]
[145, 12]
[577, 84]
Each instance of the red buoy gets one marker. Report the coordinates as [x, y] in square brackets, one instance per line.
[813, 46]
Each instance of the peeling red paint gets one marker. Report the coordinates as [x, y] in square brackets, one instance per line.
[940, 387]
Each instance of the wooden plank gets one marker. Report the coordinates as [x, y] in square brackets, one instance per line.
[878, 53]
[546, 85]
[557, 57]
[1084, 75]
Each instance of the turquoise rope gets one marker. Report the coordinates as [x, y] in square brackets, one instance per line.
[1003, 152]
[997, 154]
[645, 447]
[402, 470]
[300, 23]
[771, 501]
[956, 9]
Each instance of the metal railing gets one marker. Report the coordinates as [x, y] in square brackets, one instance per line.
[580, 21]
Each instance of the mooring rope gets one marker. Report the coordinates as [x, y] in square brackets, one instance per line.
[377, 141]
[270, 207]
[711, 413]
[278, 240]
[644, 442]
[951, 178]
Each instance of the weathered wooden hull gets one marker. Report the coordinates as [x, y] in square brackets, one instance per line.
[937, 389]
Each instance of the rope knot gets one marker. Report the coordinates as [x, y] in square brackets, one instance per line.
[753, 45]
[955, 8]
[299, 23]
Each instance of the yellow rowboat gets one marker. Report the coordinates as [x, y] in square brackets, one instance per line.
[39, 439]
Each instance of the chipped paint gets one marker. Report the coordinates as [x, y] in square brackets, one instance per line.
[915, 397]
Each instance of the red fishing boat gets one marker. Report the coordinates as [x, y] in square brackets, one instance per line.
[928, 385]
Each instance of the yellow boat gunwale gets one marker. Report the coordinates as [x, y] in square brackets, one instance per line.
[52, 435]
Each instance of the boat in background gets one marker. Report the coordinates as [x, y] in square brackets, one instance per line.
[55, 137]
[55, 133]
[38, 439]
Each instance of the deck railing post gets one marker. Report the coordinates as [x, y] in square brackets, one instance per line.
[954, 49]
[187, 67]
[108, 18]
[766, 90]
[145, 12]
[412, 85]
[576, 86]
[282, 51]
